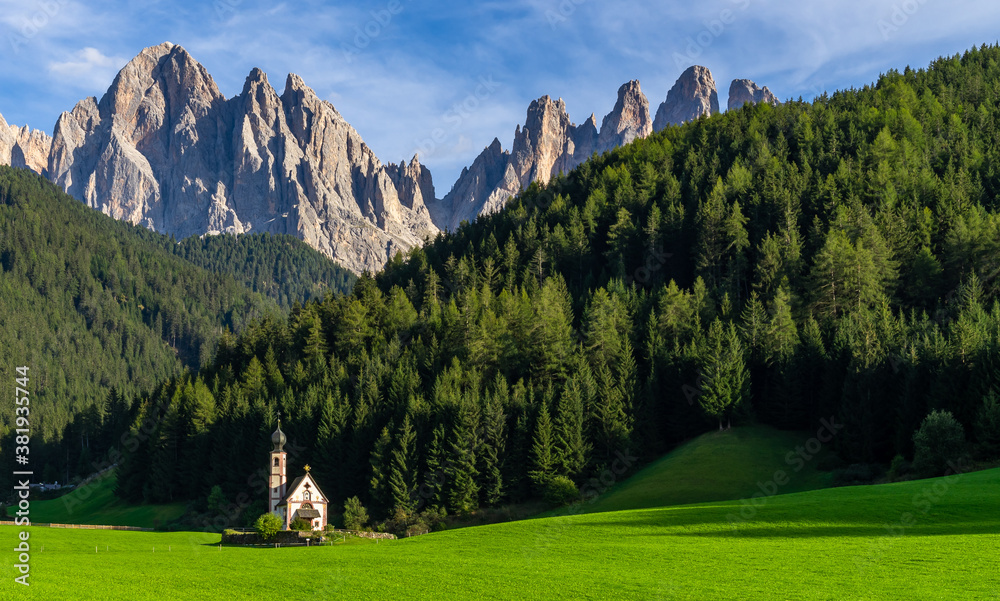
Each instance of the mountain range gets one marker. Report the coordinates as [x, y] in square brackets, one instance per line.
[165, 149]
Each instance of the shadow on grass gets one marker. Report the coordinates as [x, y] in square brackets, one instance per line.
[725, 522]
[757, 530]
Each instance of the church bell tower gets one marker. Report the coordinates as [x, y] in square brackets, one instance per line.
[278, 480]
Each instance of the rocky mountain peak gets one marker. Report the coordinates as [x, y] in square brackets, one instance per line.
[628, 120]
[742, 91]
[31, 150]
[542, 141]
[414, 184]
[256, 78]
[259, 96]
[165, 149]
[158, 73]
[548, 144]
[24, 148]
[545, 114]
[7, 141]
[693, 95]
[296, 88]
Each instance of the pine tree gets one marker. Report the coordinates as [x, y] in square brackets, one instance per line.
[403, 478]
[353, 328]
[116, 424]
[329, 444]
[612, 425]
[314, 349]
[571, 447]
[275, 381]
[254, 383]
[552, 335]
[162, 485]
[381, 470]
[924, 279]
[711, 217]
[829, 279]
[753, 326]
[726, 380]
[494, 444]
[432, 490]
[196, 414]
[782, 335]
[676, 315]
[542, 451]
[627, 371]
[737, 241]
[461, 471]
[606, 322]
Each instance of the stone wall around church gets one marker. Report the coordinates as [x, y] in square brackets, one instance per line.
[293, 537]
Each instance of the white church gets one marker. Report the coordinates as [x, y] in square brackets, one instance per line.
[300, 499]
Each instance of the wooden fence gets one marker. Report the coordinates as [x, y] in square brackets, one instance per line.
[83, 526]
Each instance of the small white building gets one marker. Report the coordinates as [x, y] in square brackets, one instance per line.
[302, 498]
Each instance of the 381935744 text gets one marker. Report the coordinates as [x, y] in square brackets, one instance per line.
[22, 472]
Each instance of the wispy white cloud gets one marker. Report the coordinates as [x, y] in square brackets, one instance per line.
[87, 68]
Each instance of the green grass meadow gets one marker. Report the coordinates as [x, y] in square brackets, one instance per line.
[96, 503]
[717, 466]
[927, 539]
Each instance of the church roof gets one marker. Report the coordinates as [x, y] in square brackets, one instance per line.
[295, 486]
[291, 489]
[308, 514]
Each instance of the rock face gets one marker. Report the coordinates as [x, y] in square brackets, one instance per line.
[164, 148]
[413, 182]
[473, 189]
[742, 91]
[549, 143]
[23, 147]
[629, 119]
[692, 96]
[7, 142]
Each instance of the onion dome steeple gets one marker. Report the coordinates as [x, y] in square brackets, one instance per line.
[278, 438]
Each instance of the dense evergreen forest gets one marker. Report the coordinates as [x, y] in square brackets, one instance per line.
[281, 267]
[94, 305]
[833, 259]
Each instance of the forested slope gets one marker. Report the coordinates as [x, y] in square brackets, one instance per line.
[281, 267]
[833, 259]
[93, 305]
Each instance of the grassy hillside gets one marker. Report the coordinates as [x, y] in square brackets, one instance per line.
[97, 504]
[718, 466]
[844, 543]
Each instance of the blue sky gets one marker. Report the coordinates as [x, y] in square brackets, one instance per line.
[397, 69]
